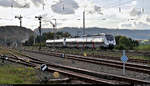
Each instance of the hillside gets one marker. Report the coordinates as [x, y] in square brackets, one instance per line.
[135, 34]
[14, 34]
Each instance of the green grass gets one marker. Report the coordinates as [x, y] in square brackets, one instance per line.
[3, 51]
[104, 53]
[17, 74]
[143, 47]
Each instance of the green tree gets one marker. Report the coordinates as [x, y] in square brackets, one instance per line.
[66, 34]
[117, 39]
[125, 43]
[50, 35]
[46, 36]
[30, 41]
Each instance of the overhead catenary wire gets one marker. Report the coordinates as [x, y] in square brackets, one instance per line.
[64, 6]
[44, 4]
[117, 5]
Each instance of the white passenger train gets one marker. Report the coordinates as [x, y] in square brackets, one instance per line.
[93, 41]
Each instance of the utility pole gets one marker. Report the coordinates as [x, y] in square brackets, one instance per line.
[43, 6]
[84, 22]
[55, 29]
[20, 19]
[39, 18]
[34, 40]
[84, 26]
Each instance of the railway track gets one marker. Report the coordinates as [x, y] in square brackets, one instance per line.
[129, 66]
[135, 53]
[132, 52]
[68, 71]
[146, 53]
[109, 77]
[82, 74]
[118, 58]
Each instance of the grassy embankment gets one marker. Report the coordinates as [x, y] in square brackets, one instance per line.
[11, 73]
[17, 74]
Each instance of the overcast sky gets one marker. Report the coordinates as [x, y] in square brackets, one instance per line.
[121, 14]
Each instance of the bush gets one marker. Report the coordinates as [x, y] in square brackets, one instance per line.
[124, 43]
[44, 37]
[120, 47]
[38, 44]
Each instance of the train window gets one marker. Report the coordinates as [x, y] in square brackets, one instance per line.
[109, 37]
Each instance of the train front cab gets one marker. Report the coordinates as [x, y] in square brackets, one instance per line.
[110, 41]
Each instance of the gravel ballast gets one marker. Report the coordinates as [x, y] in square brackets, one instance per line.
[89, 66]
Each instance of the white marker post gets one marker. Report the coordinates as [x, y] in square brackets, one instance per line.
[124, 59]
[124, 69]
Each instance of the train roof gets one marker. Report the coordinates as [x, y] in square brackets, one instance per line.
[56, 40]
[89, 39]
[86, 38]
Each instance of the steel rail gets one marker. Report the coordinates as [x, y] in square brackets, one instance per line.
[131, 80]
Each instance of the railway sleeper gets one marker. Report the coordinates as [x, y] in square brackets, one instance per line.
[122, 78]
[131, 80]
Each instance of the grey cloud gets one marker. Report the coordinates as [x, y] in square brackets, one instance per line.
[69, 7]
[9, 3]
[5, 3]
[98, 9]
[137, 25]
[37, 2]
[16, 5]
[143, 4]
[142, 25]
[135, 12]
[148, 19]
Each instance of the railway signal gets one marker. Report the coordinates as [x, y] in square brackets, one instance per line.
[20, 19]
[54, 29]
[124, 59]
[84, 22]
[39, 18]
